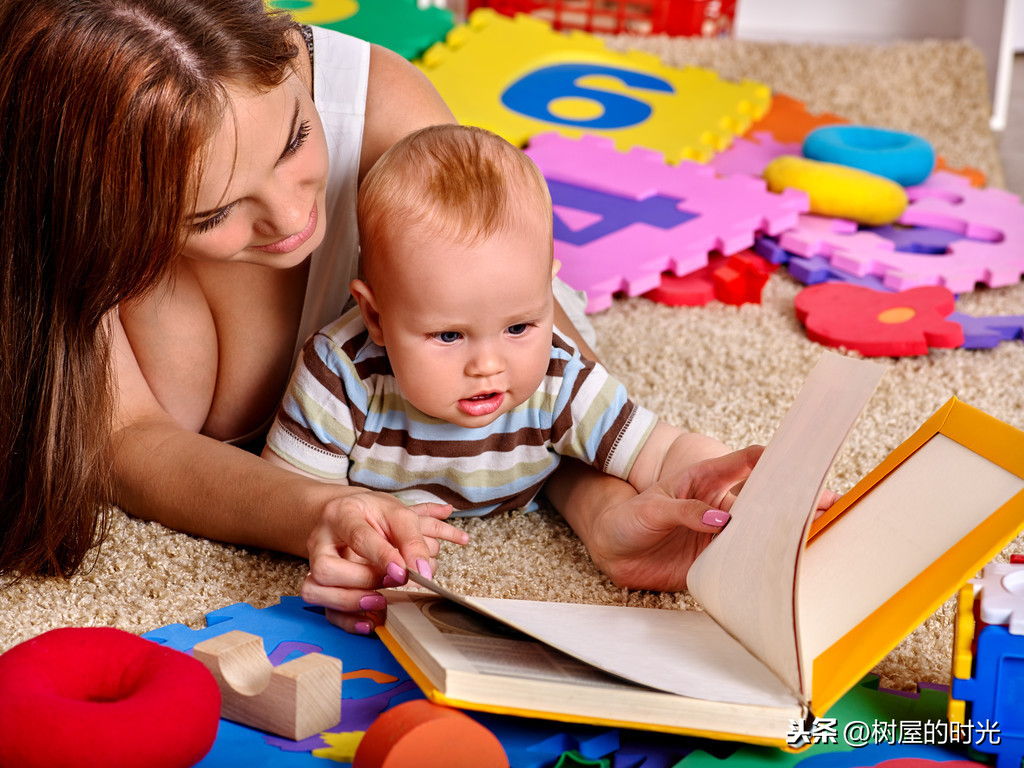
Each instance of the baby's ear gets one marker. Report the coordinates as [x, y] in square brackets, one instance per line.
[367, 301]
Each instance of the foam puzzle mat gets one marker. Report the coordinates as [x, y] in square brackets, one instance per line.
[609, 202]
[400, 25]
[518, 78]
[373, 682]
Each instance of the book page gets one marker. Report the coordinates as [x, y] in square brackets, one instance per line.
[680, 652]
[928, 505]
[746, 578]
[465, 659]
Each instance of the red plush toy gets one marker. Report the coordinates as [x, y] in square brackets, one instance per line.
[101, 697]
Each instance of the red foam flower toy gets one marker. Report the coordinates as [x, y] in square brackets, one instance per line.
[876, 323]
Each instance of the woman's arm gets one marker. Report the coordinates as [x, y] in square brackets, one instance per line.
[195, 484]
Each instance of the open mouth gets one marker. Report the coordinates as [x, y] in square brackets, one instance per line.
[482, 404]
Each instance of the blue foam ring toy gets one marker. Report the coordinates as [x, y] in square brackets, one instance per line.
[903, 157]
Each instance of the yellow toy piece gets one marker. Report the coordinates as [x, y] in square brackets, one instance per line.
[320, 12]
[518, 77]
[963, 658]
[838, 190]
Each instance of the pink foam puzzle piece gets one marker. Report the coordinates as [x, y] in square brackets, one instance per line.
[713, 214]
[751, 154]
[834, 239]
[991, 221]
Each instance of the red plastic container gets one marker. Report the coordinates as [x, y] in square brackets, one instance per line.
[706, 18]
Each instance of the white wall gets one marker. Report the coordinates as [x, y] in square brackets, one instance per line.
[1018, 26]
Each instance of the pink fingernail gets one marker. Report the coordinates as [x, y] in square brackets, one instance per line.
[715, 517]
[373, 602]
[389, 582]
[423, 567]
[363, 627]
[396, 572]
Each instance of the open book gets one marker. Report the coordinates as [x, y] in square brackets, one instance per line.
[796, 610]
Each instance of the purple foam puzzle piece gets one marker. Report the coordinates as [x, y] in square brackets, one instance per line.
[768, 248]
[989, 332]
[723, 214]
[818, 269]
[917, 239]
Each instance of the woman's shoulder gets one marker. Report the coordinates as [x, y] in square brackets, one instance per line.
[399, 100]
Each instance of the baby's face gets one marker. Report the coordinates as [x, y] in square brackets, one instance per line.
[468, 327]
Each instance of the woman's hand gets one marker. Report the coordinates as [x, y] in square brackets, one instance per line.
[364, 541]
[650, 540]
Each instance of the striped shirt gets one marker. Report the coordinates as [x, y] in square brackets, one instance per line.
[345, 417]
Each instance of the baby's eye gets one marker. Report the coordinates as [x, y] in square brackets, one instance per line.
[448, 337]
[518, 329]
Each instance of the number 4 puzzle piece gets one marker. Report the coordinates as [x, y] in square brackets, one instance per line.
[624, 218]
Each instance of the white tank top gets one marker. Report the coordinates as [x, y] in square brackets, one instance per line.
[341, 68]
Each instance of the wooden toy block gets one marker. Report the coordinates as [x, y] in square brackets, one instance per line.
[296, 699]
[519, 78]
[426, 735]
[645, 217]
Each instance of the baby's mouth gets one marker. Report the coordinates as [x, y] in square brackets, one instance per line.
[482, 404]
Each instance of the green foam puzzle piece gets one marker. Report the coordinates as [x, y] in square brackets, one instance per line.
[396, 24]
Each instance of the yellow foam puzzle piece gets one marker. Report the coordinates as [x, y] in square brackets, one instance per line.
[518, 77]
[341, 746]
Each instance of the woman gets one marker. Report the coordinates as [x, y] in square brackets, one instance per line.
[179, 180]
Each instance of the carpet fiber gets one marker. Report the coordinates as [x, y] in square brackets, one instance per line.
[728, 371]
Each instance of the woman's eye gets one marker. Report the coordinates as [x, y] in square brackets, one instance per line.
[448, 337]
[207, 224]
[518, 329]
[300, 138]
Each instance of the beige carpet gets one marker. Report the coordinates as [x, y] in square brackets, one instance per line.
[727, 371]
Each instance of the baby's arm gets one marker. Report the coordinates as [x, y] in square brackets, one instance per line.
[273, 458]
[669, 450]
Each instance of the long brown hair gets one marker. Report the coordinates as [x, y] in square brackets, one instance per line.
[105, 107]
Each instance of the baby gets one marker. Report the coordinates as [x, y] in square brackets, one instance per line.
[449, 382]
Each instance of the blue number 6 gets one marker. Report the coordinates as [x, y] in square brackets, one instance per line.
[533, 94]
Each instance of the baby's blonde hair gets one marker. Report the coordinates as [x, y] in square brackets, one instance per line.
[457, 182]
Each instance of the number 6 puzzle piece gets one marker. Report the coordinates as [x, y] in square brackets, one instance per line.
[624, 218]
[518, 77]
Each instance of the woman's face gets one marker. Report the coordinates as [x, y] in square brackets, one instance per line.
[261, 195]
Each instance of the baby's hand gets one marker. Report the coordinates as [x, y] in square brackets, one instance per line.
[364, 541]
